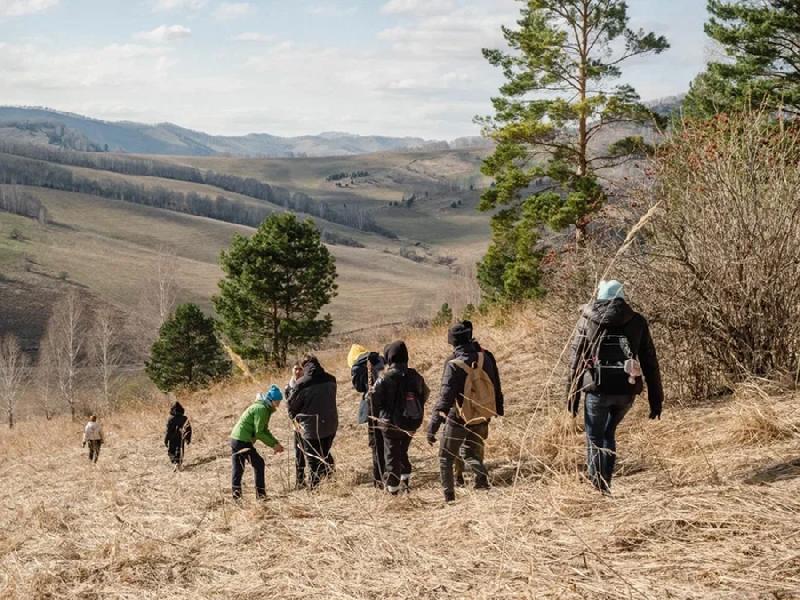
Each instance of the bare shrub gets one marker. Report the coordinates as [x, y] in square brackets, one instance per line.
[13, 369]
[719, 266]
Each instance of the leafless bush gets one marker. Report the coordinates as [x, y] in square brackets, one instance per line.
[13, 369]
[719, 266]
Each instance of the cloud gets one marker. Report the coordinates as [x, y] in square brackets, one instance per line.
[330, 9]
[18, 8]
[168, 5]
[251, 36]
[233, 10]
[164, 33]
[419, 8]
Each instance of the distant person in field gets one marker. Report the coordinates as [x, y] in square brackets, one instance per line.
[299, 450]
[365, 369]
[399, 401]
[312, 406]
[93, 436]
[254, 425]
[470, 396]
[611, 351]
[178, 434]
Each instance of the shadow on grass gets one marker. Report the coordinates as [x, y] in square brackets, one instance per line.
[782, 471]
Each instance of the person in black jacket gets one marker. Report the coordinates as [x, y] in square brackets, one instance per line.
[448, 411]
[179, 433]
[611, 350]
[364, 372]
[312, 406]
[399, 401]
[299, 449]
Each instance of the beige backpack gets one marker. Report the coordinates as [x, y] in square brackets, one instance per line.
[480, 402]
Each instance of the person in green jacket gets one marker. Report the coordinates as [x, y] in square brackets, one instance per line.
[254, 425]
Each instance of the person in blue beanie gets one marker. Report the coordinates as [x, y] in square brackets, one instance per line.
[612, 356]
[254, 425]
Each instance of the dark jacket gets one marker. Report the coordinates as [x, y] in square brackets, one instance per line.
[313, 403]
[395, 381]
[453, 380]
[359, 375]
[179, 429]
[617, 314]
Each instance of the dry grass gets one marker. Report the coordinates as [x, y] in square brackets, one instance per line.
[696, 513]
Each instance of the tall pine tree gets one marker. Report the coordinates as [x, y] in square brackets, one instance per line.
[276, 283]
[559, 96]
[762, 43]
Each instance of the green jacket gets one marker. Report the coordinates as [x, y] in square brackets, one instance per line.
[254, 425]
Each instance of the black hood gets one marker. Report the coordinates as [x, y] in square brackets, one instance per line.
[176, 409]
[396, 353]
[609, 312]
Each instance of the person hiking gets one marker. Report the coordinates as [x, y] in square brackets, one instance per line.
[365, 369]
[458, 464]
[470, 396]
[611, 350]
[399, 399]
[178, 434]
[299, 450]
[93, 435]
[312, 407]
[254, 425]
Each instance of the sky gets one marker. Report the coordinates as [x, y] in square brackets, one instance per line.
[293, 67]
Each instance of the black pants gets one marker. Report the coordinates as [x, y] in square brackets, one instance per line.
[175, 450]
[241, 453]
[472, 438]
[317, 454]
[398, 466]
[94, 449]
[299, 459]
[378, 455]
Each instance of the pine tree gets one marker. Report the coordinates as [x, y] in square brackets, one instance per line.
[444, 317]
[557, 99]
[275, 286]
[762, 44]
[187, 353]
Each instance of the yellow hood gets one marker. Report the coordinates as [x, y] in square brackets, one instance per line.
[356, 351]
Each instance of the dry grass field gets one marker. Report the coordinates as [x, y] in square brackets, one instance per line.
[705, 505]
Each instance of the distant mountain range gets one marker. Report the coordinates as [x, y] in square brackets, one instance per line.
[42, 125]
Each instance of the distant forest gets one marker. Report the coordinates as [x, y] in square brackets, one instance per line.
[29, 164]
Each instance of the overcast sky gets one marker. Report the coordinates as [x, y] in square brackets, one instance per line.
[292, 67]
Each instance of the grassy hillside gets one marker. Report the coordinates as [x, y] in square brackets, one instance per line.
[705, 504]
[110, 248]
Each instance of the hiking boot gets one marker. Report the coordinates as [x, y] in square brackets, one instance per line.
[449, 497]
[482, 483]
[460, 481]
[405, 484]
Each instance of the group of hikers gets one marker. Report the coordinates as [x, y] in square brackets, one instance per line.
[612, 358]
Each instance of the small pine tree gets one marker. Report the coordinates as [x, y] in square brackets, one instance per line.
[187, 353]
[444, 317]
[469, 312]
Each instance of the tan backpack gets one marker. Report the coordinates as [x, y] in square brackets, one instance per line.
[480, 402]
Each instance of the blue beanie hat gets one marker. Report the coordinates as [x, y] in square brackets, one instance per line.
[610, 290]
[271, 396]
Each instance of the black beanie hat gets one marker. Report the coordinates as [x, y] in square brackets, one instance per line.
[396, 353]
[460, 333]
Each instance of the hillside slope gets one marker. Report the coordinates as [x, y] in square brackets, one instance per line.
[705, 504]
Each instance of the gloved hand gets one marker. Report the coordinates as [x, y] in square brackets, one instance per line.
[431, 438]
[83, 445]
[655, 413]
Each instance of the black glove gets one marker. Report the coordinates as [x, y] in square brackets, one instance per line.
[432, 438]
[655, 413]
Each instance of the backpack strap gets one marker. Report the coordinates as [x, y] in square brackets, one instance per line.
[461, 365]
[481, 358]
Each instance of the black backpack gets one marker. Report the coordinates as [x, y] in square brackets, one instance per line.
[610, 350]
[409, 405]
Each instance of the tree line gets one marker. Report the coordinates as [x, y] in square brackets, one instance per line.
[24, 204]
[246, 186]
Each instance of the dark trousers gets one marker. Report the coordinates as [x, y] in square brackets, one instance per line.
[241, 453]
[299, 460]
[602, 415]
[378, 455]
[398, 466]
[175, 450]
[317, 454]
[472, 438]
[94, 449]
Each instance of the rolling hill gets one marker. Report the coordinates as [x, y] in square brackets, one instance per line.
[170, 139]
